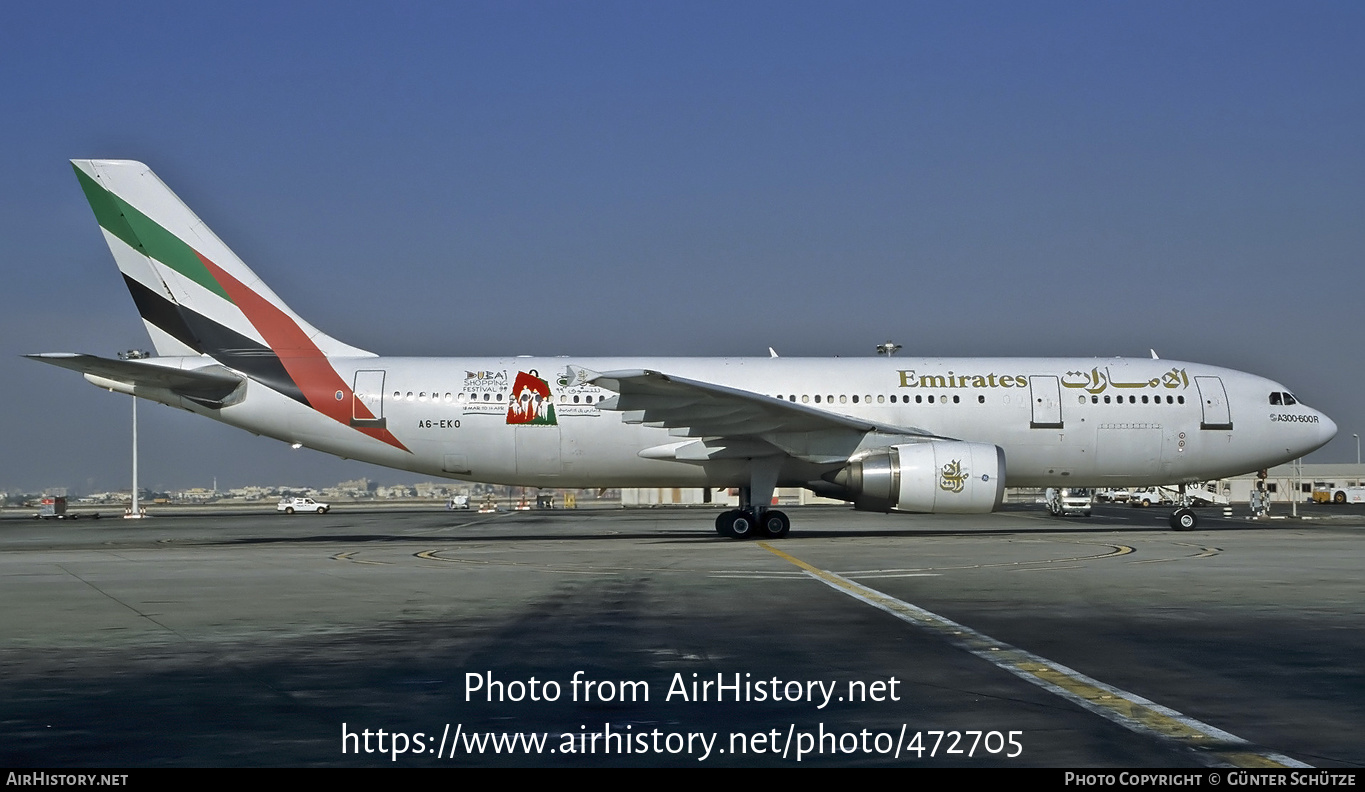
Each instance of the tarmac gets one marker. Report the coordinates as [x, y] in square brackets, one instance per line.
[641, 638]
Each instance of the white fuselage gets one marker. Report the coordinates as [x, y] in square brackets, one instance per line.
[1085, 422]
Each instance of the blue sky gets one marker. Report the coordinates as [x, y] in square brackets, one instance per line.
[691, 179]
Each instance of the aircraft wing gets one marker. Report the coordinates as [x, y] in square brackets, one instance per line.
[211, 384]
[745, 422]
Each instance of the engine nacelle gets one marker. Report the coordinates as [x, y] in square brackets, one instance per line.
[943, 476]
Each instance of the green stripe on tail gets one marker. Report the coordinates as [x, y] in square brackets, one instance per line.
[121, 219]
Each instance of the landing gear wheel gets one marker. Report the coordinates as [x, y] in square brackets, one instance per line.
[775, 524]
[1184, 519]
[738, 525]
[722, 520]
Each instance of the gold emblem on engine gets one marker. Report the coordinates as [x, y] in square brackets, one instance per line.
[951, 478]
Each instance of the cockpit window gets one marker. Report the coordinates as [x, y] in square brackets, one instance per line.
[1289, 399]
[1275, 398]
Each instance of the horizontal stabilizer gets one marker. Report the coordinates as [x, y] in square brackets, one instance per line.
[210, 384]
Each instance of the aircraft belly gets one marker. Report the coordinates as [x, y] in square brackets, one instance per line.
[579, 452]
[483, 448]
[602, 451]
[537, 453]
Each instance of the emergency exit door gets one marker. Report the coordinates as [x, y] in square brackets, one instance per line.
[367, 399]
[1214, 401]
[1045, 392]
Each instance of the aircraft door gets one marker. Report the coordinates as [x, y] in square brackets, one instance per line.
[1214, 401]
[367, 399]
[1046, 395]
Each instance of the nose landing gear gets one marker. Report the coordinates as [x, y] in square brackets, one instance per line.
[1184, 518]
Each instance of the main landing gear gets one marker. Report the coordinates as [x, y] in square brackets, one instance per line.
[743, 524]
[753, 517]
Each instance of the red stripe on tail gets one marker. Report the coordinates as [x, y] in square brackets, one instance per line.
[305, 363]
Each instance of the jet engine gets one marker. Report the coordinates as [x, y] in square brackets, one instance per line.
[944, 476]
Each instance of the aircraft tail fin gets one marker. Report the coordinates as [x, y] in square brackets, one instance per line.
[195, 295]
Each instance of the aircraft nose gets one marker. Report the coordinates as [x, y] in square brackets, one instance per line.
[1327, 429]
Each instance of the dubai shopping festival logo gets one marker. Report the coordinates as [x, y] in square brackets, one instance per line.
[531, 403]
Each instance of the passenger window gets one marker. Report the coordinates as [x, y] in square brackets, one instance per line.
[881, 399]
[980, 399]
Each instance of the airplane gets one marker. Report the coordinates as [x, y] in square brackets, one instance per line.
[919, 435]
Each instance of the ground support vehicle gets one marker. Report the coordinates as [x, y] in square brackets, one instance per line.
[1070, 501]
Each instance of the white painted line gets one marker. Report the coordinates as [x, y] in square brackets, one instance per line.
[1211, 746]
